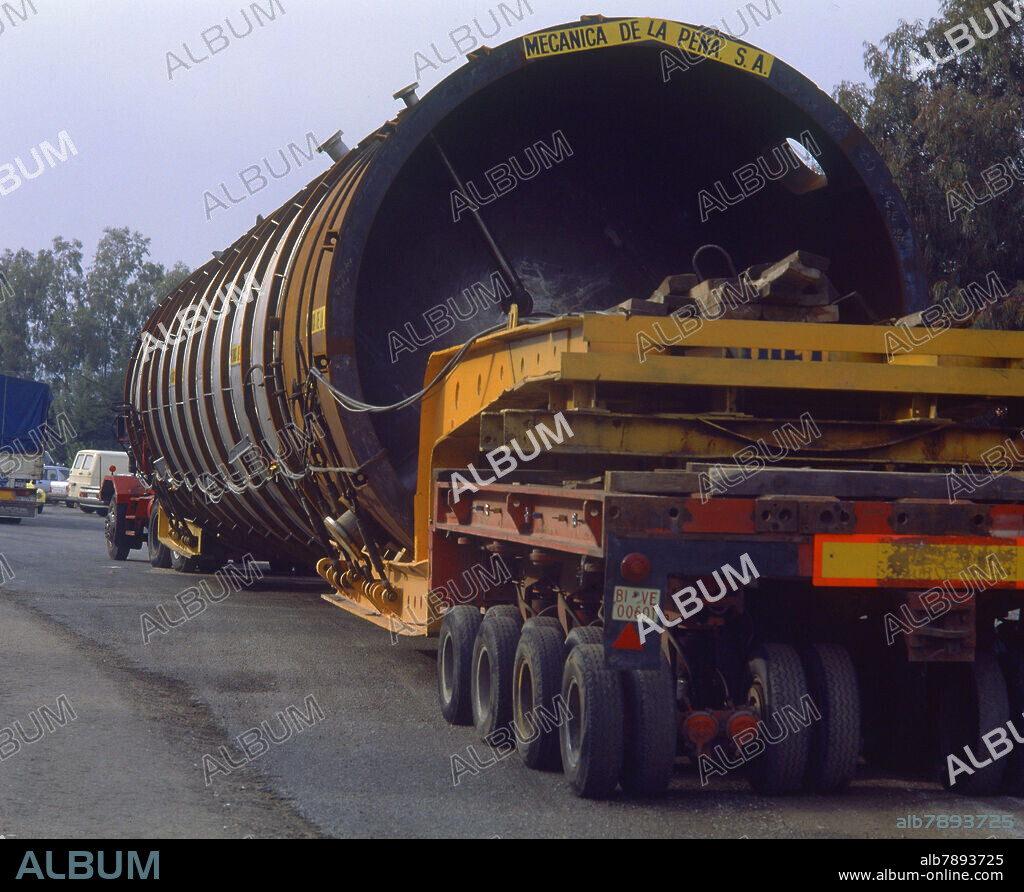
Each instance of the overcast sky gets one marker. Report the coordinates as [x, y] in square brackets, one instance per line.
[154, 133]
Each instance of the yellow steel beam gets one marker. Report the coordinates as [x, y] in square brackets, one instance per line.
[500, 365]
[521, 367]
[830, 338]
[720, 436]
[793, 375]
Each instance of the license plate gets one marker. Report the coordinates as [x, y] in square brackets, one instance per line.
[629, 604]
[16, 511]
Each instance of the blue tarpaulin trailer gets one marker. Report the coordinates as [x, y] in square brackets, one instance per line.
[23, 408]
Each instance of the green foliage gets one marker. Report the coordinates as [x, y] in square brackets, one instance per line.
[75, 328]
[939, 126]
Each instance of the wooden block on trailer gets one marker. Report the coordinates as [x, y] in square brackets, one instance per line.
[727, 299]
[707, 297]
[799, 276]
[675, 302]
[806, 258]
[679, 284]
[791, 272]
[637, 307]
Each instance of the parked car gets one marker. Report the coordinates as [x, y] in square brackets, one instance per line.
[59, 492]
[52, 474]
[87, 472]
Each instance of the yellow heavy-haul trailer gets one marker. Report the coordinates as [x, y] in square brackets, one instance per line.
[641, 527]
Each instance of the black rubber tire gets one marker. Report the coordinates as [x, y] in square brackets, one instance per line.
[494, 653]
[780, 768]
[459, 628]
[536, 682]
[184, 564]
[159, 554]
[1013, 671]
[114, 532]
[583, 635]
[975, 702]
[509, 610]
[835, 737]
[85, 509]
[591, 741]
[649, 731]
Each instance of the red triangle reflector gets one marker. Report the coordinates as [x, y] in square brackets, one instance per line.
[628, 639]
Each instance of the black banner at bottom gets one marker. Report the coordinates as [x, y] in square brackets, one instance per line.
[852, 861]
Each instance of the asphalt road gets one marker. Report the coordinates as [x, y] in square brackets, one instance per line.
[152, 749]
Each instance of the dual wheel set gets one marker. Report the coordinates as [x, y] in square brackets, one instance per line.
[162, 557]
[807, 701]
[963, 718]
[119, 544]
[606, 727]
[973, 702]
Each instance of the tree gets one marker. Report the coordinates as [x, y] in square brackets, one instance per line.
[951, 129]
[76, 328]
[57, 349]
[24, 286]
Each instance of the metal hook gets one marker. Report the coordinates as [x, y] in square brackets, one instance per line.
[721, 250]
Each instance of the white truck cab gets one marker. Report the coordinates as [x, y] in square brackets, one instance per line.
[87, 472]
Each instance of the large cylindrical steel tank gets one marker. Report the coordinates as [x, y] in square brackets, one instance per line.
[591, 151]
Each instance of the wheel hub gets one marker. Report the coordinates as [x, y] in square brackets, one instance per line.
[483, 683]
[574, 727]
[447, 668]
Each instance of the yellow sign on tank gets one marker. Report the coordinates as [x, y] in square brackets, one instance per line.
[696, 41]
